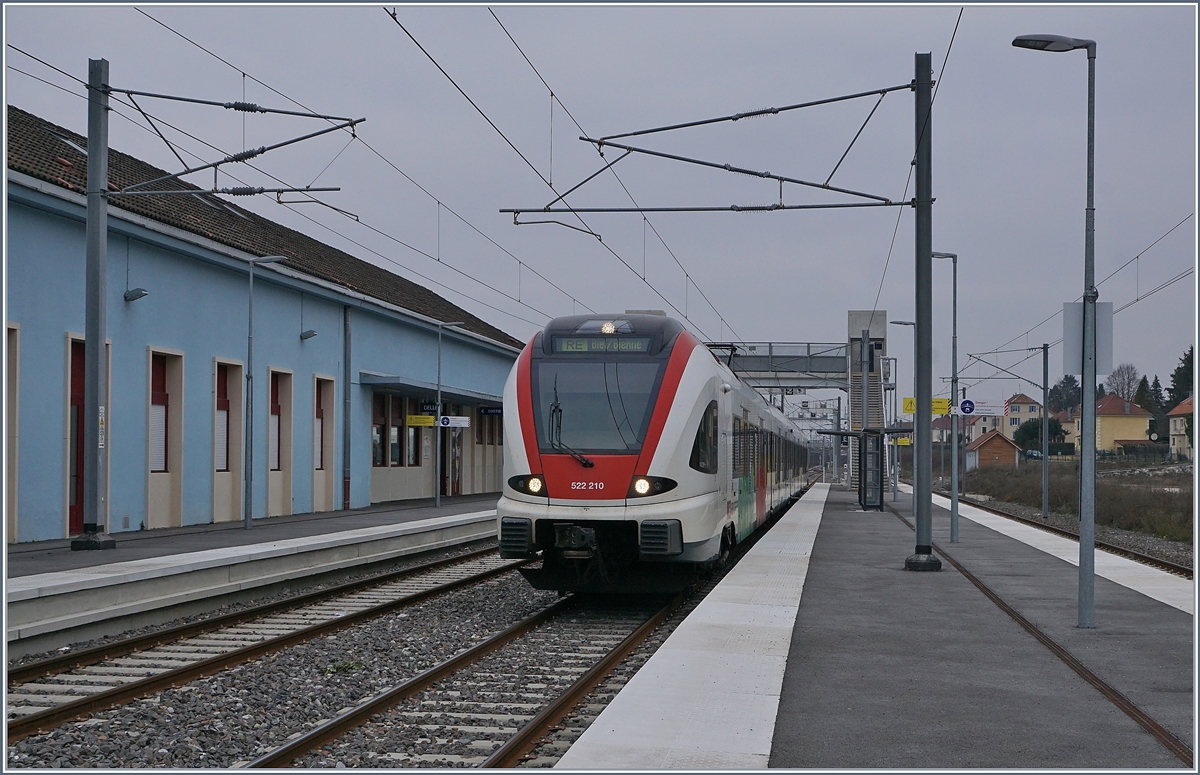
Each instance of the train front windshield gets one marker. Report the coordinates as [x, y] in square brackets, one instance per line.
[594, 406]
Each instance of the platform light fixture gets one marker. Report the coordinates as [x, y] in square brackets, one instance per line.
[437, 433]
[307, 334]
[1087, 419]
[136, 293]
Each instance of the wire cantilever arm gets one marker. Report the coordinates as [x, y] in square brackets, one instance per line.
[244, 107]
[244, 155]
[701, 209]
[739, 170]
[585, 180]
[1001, 368]
[753, 113]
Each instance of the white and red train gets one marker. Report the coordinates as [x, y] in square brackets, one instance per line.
[633, 457]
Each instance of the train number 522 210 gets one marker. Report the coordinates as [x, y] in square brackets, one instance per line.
[587, 485]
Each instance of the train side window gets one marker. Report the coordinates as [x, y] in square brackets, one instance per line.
[704, 449]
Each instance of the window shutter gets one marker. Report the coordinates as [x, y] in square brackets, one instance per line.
[221, 439]
[158, 437]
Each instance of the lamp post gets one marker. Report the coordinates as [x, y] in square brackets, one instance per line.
[249, 495]
[914, 456]
[1087, 420]
[953, 402]
[437, 431]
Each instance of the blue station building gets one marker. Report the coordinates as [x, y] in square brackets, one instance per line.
[345, 360]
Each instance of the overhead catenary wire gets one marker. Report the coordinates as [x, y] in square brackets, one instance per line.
[646, 222]
[390, 237]
[574, 301]
[540, 176]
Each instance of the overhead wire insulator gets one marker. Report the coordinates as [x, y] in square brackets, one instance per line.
[245, 107]
[242, 190]
[244, 155]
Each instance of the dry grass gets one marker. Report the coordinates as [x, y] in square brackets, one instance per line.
[1131, 503]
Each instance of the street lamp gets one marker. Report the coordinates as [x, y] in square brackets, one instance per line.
[914, 456]
[1087, 420]
[437, 462]
[953, 403]
[253, 262]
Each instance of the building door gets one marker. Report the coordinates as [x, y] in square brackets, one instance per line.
[452, 457]
[75, 428]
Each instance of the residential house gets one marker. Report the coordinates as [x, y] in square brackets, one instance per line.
[1119, 423]
[1017, 410]
[1177, 419]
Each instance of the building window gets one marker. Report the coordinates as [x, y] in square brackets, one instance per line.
[158, 413]
[273, 429]
[221, 422]
[378, 426]
[494, 423]
[1014, 421]
[480, 431]
[395, 428]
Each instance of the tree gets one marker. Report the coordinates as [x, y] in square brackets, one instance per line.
[1100, 391]
[1143, 397]
[1181, 380]
[1123, 381]
[1064, 394]
[1160, 425]
[1029, 434]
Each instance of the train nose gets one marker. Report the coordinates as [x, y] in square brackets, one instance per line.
[575, 541]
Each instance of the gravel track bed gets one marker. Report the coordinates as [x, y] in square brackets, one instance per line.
[232, 717]
[1154, 546]
[459, 721]
[281, 594]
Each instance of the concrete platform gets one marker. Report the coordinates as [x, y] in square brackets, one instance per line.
[886, 668]
[153, 576]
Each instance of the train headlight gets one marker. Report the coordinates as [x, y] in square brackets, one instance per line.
[642, 486]
[530, 485]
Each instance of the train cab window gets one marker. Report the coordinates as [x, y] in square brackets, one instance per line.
[704, 449]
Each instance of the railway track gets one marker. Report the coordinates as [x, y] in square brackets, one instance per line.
[1180, 570]
[47, 693]
[489, 704]
[1160, 733]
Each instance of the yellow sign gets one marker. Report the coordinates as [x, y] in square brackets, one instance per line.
[904, 441]
[940, 405]
[417, 420]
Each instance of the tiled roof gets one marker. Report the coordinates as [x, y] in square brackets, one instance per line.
[37, 148]
[1021, 398]
[1185, 407]
[1113, 405]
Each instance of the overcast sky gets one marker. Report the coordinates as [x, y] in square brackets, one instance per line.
[1009, 156]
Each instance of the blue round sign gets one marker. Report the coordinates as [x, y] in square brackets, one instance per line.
[967, 406]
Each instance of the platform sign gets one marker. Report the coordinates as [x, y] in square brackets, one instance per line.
[428, 406]
[972, 408]
[491, 411]
[447, 421]
[939, 405]
[418, 420]
[967, 406]
[904, 441]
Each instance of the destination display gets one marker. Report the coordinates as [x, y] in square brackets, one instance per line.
[583, 345]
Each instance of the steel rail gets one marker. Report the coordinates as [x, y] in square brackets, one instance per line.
[25, 726]
[288, 752]
[1146, 559]
[511, 753]
[56, 664]
[1160, 733]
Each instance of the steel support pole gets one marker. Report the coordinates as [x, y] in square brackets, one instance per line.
[1045, 431]
[923, 558]
[95, 385]
[1087, 430]
[864, 363]
[955, 411]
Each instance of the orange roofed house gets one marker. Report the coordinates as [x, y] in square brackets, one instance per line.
[1119, 423]
[1177, 418]
[993, 450]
